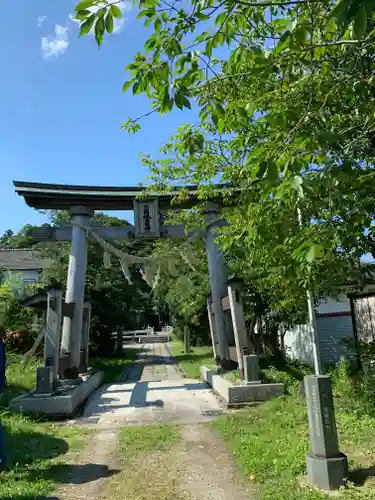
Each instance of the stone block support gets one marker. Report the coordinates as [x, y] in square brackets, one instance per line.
[85, 339]
[251, 369]
[238, 320]
[75, 290]
[212, 327]
[327, 468]
[53, 333]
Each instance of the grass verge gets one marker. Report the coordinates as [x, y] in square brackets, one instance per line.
[145, 454]
[192, 361]
[36, 451]
[270, 443]
[113, 367]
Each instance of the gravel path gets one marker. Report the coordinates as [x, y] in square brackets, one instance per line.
[200, 467]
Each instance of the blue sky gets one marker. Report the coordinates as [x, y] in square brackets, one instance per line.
[62, 105]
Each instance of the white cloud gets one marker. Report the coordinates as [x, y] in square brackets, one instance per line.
[55, 45]
[118, 24]
[40, 20]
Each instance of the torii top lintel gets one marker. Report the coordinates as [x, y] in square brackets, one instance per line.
[64, 196]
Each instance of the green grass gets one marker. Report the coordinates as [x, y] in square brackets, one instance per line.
[270, 443]
[146, 455]
[19, 378]
[192, 361]
[35, 449]
[135, 441]
[113, 367]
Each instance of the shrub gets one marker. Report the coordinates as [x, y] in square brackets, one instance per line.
[18, 340]
[15, 320]
[353, 392]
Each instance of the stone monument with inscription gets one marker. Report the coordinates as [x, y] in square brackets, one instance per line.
[327, 467]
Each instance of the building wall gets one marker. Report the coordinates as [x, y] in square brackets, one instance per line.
[365, 318]
[329, 306]
[28, 275]
[298, 344]
[335, 331]
[336, 338]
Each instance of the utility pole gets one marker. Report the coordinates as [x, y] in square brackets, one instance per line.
[312, 318]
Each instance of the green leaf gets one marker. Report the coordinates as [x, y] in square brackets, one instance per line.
[99, 30]
[220, 125]
[87, 25]
[300, 35]
[221, 18]
[109, 22]
[260, 171]
[84, 5]
[297, 183]
[209, 47]
[186, 102]
[272, 171]
[242, 112]
[127, 85]
[167, 102]
[157, 24]
[82, 15]
[220, 109]
[201, 16]
[316, 251]
[116, 11]
[360, 23]
[179, 100]
[283, 42]
[291, 26]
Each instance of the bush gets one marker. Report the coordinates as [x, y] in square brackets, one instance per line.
[18, 340]
[15, 320]
[353, 392]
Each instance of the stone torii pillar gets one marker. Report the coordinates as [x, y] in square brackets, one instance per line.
[75, 291]
[218, 280]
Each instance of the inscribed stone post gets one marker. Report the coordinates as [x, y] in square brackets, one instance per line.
[327, 468]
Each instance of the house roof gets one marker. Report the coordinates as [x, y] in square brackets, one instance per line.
[21, 260]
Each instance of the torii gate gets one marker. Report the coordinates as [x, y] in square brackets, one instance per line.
[82, 201]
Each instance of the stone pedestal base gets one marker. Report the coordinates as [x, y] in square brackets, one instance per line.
[62, 403]
[327, 473]
[236, 395]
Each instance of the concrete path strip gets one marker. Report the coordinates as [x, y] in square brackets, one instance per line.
[154, 393]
